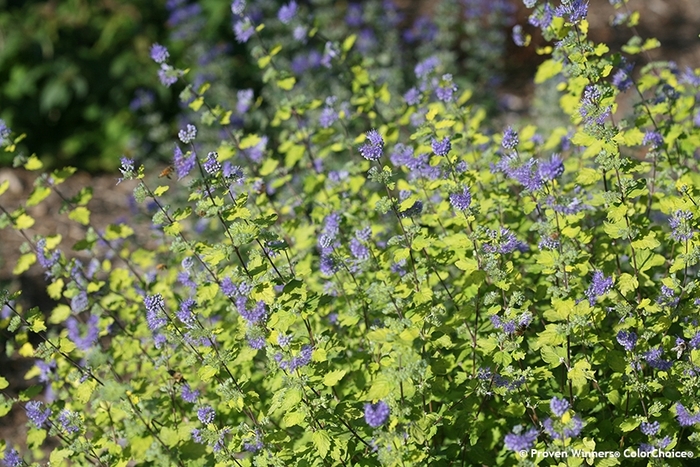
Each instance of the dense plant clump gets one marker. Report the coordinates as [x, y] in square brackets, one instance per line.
[351, 265]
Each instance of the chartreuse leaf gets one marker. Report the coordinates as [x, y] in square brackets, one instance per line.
[39, 194]
[322, 442]
[81, 215]
[23, 263]
[33, 163]
[333, 377]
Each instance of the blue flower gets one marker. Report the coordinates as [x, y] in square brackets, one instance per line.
[373, 149]
[650, 429]
[515, 441]
[622, 79]
[237, 7]
[79, 302]
[627, 339]
[376, 414]
[549, 170]
[600, 285]
[328, 117]
[684, 417]
[559, 406]
[35, 413]
[167, 75]
[287, 12]
[183, 165]
[412, 96]
[542, 17]
[510, 139]
[680, 225]
[653, 358]
[256, 343]
[243, 30]
[653, 138]
[575, 10]
[154, 312]
[425, 67]
[517, 35]
[254, 315]
[206, 414]
[185, 313]
[83, 343]
[188, 394]
[4, 132]
[12, 457]
[461, 201]
[187, 134]
[211, 164]
[359, 250]
[69, 421]
[244, 100]
[441, 148]
[446, 88]
[159, 53]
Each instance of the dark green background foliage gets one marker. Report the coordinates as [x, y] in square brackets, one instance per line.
[71, 68]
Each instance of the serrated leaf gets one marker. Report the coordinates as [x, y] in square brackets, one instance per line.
[81, 215]
[33, 163]
[381, 387]
[3, 383]
[629, 424]
[627, 283]
[333, 377]
[23, 263]
[548, 69]
[39, 194]
[322, 442]
[649, 242]
[553, 356]
[59, 314]
[292, 418]
[206, 373]
[24, 221]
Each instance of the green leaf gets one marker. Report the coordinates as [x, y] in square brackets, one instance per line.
[286, 84]
[39, 194]
[33, 163]
[292, 418]
[548, 69]
[629, 424]
[627, 283]
[81, 215]
[3, 383]
[381, 387]
[647, 243]
[23, 221]
[553, 356]
[467, 265]
[23, 263]
[333, 377]
[268, 167]
[160, 190]
[322, 442]
[206, 373]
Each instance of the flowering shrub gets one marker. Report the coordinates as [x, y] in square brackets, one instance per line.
[359, 269]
